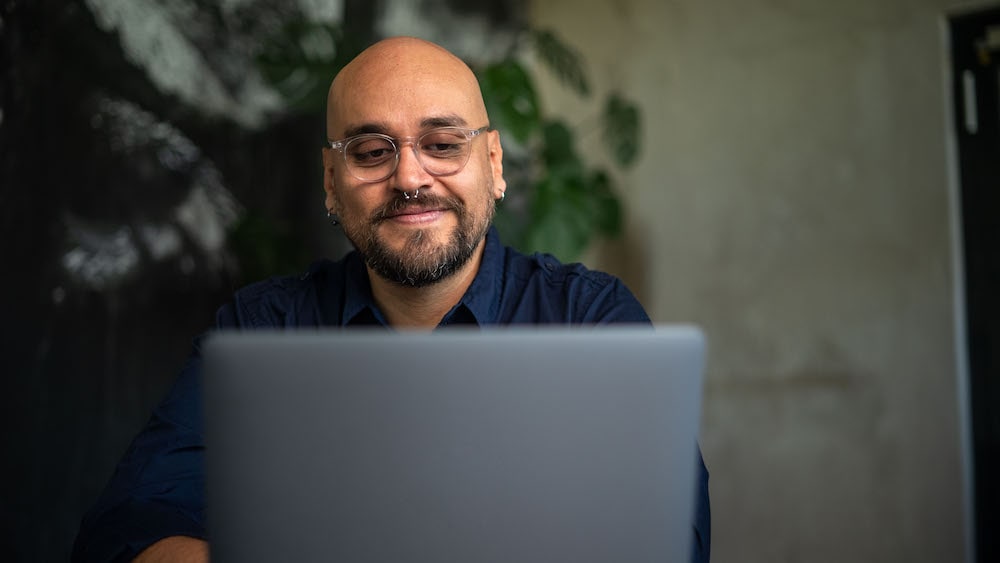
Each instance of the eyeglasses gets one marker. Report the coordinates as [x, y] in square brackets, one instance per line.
[373, 157]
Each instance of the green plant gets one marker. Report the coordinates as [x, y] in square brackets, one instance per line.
[559, 203]
[567, 202]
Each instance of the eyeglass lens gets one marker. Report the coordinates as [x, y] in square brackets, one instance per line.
[440, 152]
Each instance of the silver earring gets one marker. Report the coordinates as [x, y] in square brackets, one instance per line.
[502, 196]
[334, 220]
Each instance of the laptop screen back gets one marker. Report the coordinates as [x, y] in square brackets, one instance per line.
[521, 445]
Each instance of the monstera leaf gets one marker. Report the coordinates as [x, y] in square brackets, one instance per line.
[559, 150]
[621, 129]
[510, 98]
[561, 60]
[569, 203]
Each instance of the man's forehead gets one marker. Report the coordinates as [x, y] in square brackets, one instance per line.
[400, 110]
[404, 83]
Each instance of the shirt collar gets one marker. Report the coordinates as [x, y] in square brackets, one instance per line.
[359, 305]
[479, 305]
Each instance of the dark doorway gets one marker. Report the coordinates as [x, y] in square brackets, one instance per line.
[975, 58]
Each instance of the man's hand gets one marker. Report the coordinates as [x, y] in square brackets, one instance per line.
[182, 549]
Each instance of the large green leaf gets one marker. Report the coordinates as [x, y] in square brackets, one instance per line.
[559, 151]
[510, 99]
[606, 210]
[569, 205]
[559, 219]
[622, 129]
[563, 61]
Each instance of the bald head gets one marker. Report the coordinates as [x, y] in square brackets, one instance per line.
[400, 83]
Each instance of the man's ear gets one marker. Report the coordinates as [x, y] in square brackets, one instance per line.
[496, 163]
[328, 182]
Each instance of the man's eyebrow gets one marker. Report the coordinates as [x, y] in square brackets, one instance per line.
[443, 121]
[365, 128]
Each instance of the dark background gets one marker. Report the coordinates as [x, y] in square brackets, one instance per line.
[106, 274]
[979, 168]
[88, 355]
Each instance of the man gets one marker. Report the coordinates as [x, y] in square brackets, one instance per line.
[412, 173]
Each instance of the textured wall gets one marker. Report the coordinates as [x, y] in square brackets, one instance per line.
[793, 200]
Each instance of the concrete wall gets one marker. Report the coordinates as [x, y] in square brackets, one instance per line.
[793, 199]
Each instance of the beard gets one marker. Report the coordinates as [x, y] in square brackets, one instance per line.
[421, 261]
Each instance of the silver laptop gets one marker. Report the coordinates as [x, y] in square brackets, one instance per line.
[551, 444]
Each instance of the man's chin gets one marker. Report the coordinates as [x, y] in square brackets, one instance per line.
[419, 271]
[421, 260]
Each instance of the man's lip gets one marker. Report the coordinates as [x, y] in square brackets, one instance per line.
[416, 215]
[414, 210]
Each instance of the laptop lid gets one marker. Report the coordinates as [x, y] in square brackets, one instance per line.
[541, 444]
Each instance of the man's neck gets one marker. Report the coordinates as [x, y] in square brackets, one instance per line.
[424, 307]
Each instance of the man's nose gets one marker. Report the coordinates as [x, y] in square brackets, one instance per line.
[410, 174]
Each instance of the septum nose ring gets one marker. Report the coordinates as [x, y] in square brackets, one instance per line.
[416, 192]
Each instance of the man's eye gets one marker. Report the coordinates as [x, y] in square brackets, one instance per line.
[376, 153]
[371, 152]
[441, 148]
[442, 145]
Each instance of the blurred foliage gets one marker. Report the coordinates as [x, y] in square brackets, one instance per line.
[557, 202]
[569, 202]
[300, 61]
[562, 60]
[265, 248]
[622, 125]
[510, 99]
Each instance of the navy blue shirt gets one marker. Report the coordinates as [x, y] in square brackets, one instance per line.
[158, 488]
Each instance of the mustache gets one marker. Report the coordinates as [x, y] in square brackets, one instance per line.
[396, 205]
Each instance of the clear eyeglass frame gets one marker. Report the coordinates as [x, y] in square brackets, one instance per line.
[451, 157]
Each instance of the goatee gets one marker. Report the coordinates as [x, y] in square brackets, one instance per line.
[422, 261]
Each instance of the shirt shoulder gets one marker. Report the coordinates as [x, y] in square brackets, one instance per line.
[541, 289]
[282, 301]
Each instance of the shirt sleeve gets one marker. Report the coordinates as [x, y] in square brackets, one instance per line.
[158, 488]
[701, 547]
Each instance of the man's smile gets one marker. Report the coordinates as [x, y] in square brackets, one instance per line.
[417, 215]
[416, 212]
